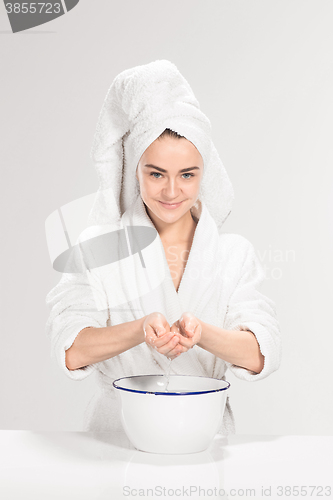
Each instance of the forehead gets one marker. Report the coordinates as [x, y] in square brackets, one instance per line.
[169, 149]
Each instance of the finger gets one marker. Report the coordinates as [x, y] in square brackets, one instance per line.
[188, 343]
[164, 349]
[149, 333]
[175, 352]
[156, 328]
[175, 328]
[185, 329]
[164, 339]
[161, 327]
[190, 328]
[192, 341]
[172, 357]
[159, 331]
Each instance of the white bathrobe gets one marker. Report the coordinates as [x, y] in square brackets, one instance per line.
[219, 286]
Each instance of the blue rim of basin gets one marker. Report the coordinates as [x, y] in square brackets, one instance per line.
[168, 393]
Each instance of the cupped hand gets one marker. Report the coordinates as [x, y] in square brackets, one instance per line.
[159, 336]
[189, 328]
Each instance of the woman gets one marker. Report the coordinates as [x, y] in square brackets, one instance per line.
[190, 295]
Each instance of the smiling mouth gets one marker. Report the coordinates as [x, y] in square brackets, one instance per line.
[171, 205]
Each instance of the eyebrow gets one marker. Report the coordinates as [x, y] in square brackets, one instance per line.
[162, 169]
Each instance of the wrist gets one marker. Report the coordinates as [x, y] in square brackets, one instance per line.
[202, 336]
[140, 334]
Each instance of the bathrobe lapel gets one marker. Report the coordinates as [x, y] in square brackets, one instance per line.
[198, 285]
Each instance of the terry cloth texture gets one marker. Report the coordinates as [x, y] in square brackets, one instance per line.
[222, 274]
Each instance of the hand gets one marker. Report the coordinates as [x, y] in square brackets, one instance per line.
[158, 335]
[189, 328]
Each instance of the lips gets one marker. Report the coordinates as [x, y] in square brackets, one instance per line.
[170, 205]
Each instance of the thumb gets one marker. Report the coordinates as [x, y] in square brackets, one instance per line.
[189, 327]
[160, 330]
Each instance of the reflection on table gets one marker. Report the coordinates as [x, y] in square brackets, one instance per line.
[87, 465]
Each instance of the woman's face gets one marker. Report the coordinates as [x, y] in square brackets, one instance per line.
[169, 173]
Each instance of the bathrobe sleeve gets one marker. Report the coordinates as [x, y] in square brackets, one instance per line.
[249, 309]
[72, 307]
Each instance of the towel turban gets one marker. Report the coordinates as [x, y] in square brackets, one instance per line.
[140, 104]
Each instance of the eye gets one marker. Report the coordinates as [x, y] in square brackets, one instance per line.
[157, 173]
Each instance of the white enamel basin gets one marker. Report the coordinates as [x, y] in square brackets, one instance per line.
[184, 419]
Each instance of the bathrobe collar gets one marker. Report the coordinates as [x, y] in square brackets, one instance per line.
[200, 277]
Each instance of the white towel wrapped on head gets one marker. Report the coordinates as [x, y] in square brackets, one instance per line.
[141, 103]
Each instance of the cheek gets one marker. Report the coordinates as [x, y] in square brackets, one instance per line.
[147, 184]
[194, 186]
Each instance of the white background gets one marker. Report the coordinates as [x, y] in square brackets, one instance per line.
[263, 73]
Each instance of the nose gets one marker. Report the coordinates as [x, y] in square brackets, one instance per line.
[171, 190]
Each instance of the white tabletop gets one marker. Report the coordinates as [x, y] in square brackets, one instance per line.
[79, 465]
